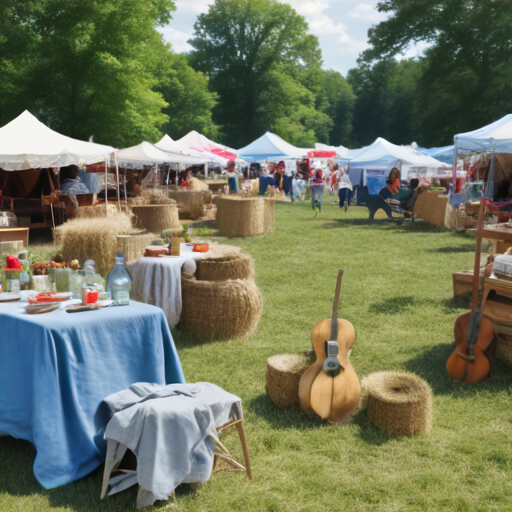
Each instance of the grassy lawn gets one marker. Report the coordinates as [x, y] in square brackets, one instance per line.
[397, 291]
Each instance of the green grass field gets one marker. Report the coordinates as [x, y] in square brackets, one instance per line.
[397, 291]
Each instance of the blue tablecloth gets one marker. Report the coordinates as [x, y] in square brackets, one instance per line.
[56, 369]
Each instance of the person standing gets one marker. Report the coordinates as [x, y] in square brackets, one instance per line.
[232, 177]
[344, 188]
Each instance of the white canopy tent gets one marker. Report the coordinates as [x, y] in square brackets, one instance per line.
[493, 138]
[383, 156]
[26, 143]
[137, 157]
[213, 151]
[271, 147]
[178, 155]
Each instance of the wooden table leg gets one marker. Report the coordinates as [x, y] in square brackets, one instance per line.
[241, 433]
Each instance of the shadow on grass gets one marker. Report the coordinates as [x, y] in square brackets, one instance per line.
[397, 305]
[453, 250]
[386, 224]
[184, 339]
[279, 419]
[431, 366]
[368, 432]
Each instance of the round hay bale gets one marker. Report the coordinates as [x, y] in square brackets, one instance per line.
[241, 217]
[223, 268]
[220, 310]
[398, 402]
[156, 218]
[282, 378]
[270, 215]
[193, 199]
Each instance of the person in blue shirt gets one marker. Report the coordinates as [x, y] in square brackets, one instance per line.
[70, 184]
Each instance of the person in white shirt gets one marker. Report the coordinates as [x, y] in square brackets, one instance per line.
[344, 189]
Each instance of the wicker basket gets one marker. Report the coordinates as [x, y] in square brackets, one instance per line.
[398, 402]
[241, 217]
[220, 310]
[193, 199]
[504, 348]
[156, 218]
[133, 246]
[282, 378]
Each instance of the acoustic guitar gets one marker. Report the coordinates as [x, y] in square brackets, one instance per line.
[330, 387]
[474, 333]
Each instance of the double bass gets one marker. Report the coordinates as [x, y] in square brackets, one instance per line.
[474, 333]
[330, 387]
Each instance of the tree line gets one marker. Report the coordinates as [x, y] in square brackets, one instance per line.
[101, 68]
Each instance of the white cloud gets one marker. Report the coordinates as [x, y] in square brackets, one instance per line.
[321, 24]
[177, 38]
[367, 12]
[195, 6]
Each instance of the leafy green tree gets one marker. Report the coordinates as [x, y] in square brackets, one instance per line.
[336, 99]
[98, 68]
[190, 103]
[253, 51]
[466, 70]
[386, 101]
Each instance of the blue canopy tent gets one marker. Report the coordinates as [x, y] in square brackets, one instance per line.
[271, 147]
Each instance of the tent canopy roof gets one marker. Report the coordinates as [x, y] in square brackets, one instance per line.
[196, 141]
[142, 154]
[496, 137]
[178, 155]
[383, 155]
[26, 143]
[271, 147]
[443, 154]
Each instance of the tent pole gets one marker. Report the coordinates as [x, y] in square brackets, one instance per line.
[106, 180]
[125, 195]
[454, 170]
[117, 182]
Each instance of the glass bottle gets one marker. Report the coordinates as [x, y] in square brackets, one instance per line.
[119, 283]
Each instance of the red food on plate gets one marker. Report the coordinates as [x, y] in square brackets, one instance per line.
[42, 298]
[201, 248]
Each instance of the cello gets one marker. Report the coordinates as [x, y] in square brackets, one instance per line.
[474, 333]
[330, 387]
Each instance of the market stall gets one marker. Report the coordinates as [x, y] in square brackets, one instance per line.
[30, 156]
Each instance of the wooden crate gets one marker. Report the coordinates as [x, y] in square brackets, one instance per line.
[463, 281]
[14, 234]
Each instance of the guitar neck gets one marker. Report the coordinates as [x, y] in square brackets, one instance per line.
[335, 305]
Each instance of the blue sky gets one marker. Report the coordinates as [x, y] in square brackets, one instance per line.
[340, 25]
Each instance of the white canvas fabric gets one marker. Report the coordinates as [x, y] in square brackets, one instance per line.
[383, 156]
[168, 145]
[141, 155]
[495, 137]
[212, 150]
[26, 143]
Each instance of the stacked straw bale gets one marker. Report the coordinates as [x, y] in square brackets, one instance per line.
[455, 217]
[195, 184]
[243, 216]
[193, 199]
[282, 378]
[431, 207]
[133, 246]
[225, 266]
[156, 218]
[98, 210]
[220, 310]
[95, 239]
[398, 402]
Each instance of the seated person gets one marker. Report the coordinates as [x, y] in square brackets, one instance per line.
[265, 182]
[70, 184]
[392, 185]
